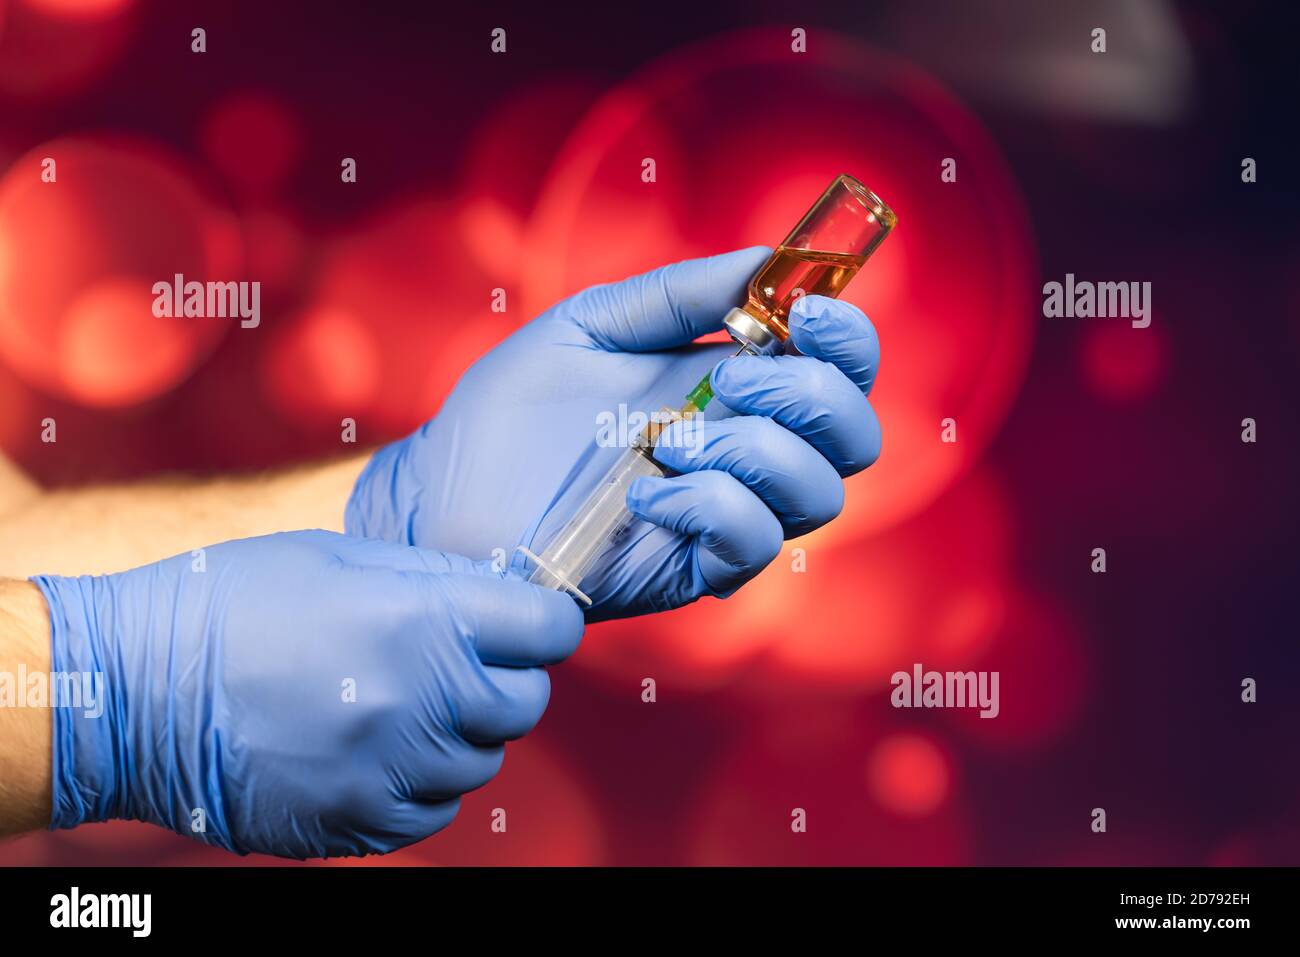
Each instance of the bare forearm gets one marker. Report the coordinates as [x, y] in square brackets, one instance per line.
[113, 528]
[16, 489]
[24, 731]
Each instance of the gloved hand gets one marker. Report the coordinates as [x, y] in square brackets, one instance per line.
[513, 450]
[304, 694]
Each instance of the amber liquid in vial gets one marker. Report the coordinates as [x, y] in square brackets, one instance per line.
[773, 291]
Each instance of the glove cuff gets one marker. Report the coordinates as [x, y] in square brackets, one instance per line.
[89, 762]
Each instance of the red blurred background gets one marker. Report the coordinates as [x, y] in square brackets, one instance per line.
[522, 171]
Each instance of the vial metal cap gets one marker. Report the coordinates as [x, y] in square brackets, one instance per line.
[752, 334]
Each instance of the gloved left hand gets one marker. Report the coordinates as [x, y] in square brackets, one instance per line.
[514, 448]
[304, 694]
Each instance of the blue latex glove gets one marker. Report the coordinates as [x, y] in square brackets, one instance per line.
[513, 450]
[311, 694]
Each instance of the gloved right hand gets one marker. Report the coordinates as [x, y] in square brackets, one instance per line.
[304, 694]
[516, 447]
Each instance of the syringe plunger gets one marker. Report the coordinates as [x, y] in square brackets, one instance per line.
[596, 523]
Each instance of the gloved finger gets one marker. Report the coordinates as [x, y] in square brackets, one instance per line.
[667, 307]
[511, 622]
[811, 398]
[446, 768]
[792, 478]
[738, 534]
[408, 822]
[507, 705]
[840, 333]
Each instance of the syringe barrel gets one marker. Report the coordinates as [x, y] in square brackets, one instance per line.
[574, 549]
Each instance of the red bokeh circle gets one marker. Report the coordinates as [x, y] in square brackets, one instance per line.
[79, 8]
[399, 312]
[844, 775]
[253, 139]
[53, 47]
[78, 260]
[909, 775]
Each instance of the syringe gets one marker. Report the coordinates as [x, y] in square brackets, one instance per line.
[604, 515]
[819, 257]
